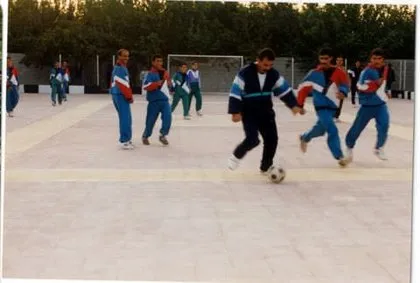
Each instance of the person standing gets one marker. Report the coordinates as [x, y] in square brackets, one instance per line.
[354, 74]
[182, 90]
[194, 82]
[122, 97]
[12, 92]
[157, 84]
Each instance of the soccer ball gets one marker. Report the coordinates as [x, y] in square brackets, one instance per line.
[276, 174]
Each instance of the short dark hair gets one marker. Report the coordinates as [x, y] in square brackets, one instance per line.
[182, 64]
[339, 56]
[9, 58]
[378, 52]
[325, 51]
[266, 53]
[156, 56]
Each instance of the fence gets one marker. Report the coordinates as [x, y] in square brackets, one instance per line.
[96, 72]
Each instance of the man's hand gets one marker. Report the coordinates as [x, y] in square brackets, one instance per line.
[160, 83]
[389, 94]
[340, 95]
[237, 117]
[298, 110]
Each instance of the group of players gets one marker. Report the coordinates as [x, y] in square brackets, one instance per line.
[59, 82]
[159, 87]
[250, 101]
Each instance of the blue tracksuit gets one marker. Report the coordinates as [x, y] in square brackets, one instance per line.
[122, 96]
[324, 86]
[12, 94]
[372, 98]
[158, 103]
[251, 96]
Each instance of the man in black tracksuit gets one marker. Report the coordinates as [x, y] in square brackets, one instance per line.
[250, 100]
[354, 74]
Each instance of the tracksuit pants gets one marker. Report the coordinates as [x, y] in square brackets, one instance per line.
[366, 113]
[253, 124]
[325, 124]
[12, 98]
[124, 115]
[155, 108]
[195, 92]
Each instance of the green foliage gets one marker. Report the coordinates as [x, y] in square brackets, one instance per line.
[84, 28]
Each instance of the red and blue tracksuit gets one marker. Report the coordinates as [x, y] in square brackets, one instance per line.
[12, 94]
[324, 86]
[254, 102]
[372, 100]
[122, 96]
[158, 102]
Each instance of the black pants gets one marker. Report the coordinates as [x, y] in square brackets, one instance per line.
[338, 112]
[353, 96]
[265, 124]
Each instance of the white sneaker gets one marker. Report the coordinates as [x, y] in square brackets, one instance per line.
[380, 154]
[187, 117]
[233, 162]
[127, 145]
[199, 113]
[349, 154]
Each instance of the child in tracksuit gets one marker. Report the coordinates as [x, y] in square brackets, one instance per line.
[182, 90]
[194, 82]
[158, 100]
[122, 97]
[328, 85]
[56, 83]
[250, 101]
[373, 95]
[12, 93]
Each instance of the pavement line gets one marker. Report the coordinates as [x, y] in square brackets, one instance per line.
[29, 136]
[395, 130]
[199, 175]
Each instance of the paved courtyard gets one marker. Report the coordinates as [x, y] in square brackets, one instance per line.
[78, 207]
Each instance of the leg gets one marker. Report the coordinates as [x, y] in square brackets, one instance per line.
[338, 112]
[185, 104]
[124, 115]
[382, 125]
[9, 100]
[166, 116]
[251, 137]
[151, 117]
[53, 93]
[353, 96]
[333, 140]
[362, 119]
[65, 91]
[175, 101]
[15, 95]
[60, 93]
[190, 96]
[198, 100]
[268, 130]
[317, 130]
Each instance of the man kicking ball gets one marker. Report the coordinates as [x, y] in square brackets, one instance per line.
[250, 101]
[328, 85]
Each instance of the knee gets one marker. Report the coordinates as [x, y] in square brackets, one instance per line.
[252, 142]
